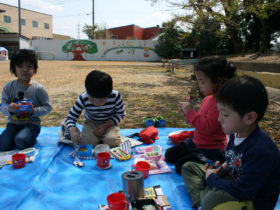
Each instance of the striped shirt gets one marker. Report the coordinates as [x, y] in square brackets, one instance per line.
[113, 110]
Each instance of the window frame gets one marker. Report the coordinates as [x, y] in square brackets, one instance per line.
[7, 19]
[35, 24]
[48, 26]
[22, 22]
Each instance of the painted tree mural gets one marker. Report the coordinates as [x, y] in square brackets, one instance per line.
[78, 47]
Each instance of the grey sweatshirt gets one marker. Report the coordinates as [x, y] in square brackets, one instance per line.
[35, 92]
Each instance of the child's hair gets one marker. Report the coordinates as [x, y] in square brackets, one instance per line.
[23, 56]
[217, 68]
[99, 84]
[244, 94]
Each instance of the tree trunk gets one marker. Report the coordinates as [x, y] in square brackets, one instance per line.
[237, 42]
[264, 36]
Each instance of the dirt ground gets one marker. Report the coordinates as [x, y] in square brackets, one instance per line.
[146, 87]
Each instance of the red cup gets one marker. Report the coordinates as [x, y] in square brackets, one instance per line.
[142, 166]
[103, 159]
[18, 160]
[116, 201]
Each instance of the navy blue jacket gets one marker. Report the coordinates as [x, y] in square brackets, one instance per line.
[255, 169]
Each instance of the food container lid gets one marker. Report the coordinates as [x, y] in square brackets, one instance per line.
[132, 175]
[101, 148]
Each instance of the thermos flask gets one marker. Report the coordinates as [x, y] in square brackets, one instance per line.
[133, 185]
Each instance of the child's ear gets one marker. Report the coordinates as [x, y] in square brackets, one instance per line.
[250, 117]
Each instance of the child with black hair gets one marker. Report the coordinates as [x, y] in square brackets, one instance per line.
[209, 140]
[252, 168]
[103, 111]
[23, 127]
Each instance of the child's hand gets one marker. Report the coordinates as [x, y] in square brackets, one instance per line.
[13, 107]
[31, 110]
[75, 135]
[221, 169]
[185, 107]
[101, 129]
[211, 171]
[212, 164]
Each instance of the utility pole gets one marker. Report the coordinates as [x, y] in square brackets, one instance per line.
[92, 12]
[19, 18]
[78, 31]
[93, 17]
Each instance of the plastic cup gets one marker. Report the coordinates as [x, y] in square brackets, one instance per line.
[116, 201]
[103, 159]
[142, 166]
[18, 160]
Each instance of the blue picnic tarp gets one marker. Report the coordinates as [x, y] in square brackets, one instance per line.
[52, 182]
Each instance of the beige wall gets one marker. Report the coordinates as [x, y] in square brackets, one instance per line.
[27, 30]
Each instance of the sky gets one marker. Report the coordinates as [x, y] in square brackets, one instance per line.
[69, 16]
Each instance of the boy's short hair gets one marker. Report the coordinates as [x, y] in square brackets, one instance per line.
[22, 56]
[244, 94]
[99, 84]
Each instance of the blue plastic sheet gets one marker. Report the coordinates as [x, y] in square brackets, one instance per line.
[52, 182]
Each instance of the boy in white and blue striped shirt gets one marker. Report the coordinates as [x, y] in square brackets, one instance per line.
[103, 111]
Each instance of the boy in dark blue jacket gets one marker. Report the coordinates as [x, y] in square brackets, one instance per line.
[252, 168]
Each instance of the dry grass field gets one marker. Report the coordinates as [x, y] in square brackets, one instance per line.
[147, 89]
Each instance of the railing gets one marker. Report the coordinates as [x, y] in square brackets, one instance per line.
[173, 62]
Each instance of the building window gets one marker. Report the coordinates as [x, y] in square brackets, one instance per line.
[22, 22]
[114, 37]
[35, 24]
[7, 19]
[46, 26]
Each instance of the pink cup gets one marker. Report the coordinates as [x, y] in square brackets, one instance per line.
[142, 166]
[116, 201]
[18, 160]
[103, 159]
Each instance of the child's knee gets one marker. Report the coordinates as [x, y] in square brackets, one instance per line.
[213, 197]
[232, 205]
[112, 141]
[186, 168]
[173, 153]
[23, 143]
[168, 155]
[112, 137]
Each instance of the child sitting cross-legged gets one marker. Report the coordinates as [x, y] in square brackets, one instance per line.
[103, 111]
[251, 171]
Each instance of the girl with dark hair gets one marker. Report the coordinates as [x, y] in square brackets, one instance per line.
[209, 140]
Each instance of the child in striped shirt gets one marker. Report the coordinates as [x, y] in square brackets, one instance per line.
[103, 111]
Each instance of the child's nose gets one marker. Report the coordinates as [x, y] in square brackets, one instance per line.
[220, 118]
[24, 68]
